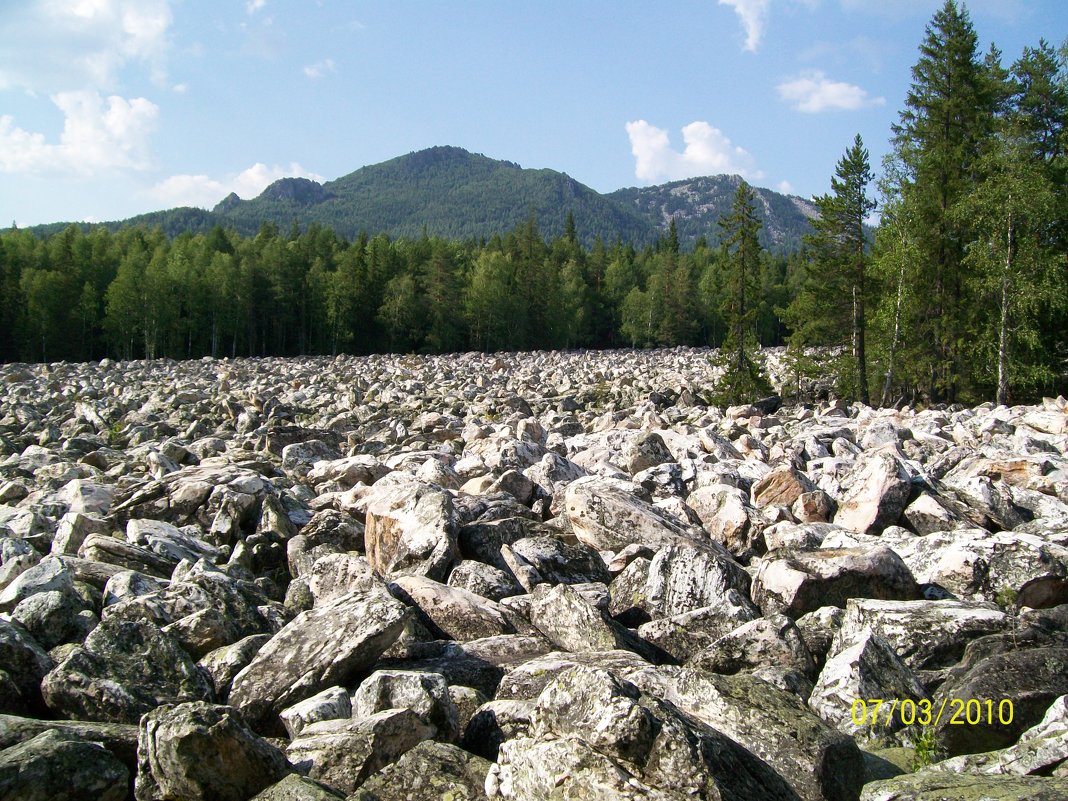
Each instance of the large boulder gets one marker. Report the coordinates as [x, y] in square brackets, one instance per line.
[200, 751]
[927, 635]
[940, 785]
[322, 647]
[344, 753]
[874, 493]
[795, 582]
[123, 670]
[868, 669]
[451, 612]
[607, 515]
[426, 694]
[411, 529]
[599, 737]
[429, 772]
[681, 579]
[58, 766]
[1027, 681]
[573, 624]
[818, 762]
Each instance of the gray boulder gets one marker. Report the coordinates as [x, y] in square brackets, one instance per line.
[123, 670]
[425, 694]
[429, 772]
[411, 529]
[795, 582]
[55, 766]
[344, 753]
[202, 751]
[322, 647]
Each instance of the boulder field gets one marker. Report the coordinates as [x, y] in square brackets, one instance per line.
[524, 576]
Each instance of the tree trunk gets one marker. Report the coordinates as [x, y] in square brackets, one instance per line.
[1003, 332]
[896, 337]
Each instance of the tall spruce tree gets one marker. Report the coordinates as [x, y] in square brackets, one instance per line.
[740, 230]
[949, 111]
[830, 308]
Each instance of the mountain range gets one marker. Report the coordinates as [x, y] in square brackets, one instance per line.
[450, 192]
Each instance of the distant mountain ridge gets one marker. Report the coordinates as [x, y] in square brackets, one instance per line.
[450, 192]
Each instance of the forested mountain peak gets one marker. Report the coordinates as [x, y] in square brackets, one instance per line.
[451, 192]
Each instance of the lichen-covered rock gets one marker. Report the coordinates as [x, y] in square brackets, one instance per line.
[795, 582]
[344, 753]
[319, 648]
[202, 751]
[56, 766]
[430, 771]
[411, 529]
[938, 785]
[596, 736]
[123, 670]
[454, 613]
[868, 669]
[571, 623]
[816, 761]
[681, 579]
[874, 493]
[332, 703]
[607, 515]
[773, 642]
[1029, 679]
[426, 694]
[925, 634]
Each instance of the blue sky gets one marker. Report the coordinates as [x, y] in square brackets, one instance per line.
[110, 108]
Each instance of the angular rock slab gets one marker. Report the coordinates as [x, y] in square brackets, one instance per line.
[1039, 751]
[199, 751]
[596, 736]
[874, 493]
[56, 766]
[818, 762]
[926, 634]
[429, 771]
[1030, 678]
[295, 787]
[426, 694]
[344, 753]
[410, 529]
[124, 669]
[681, 579]
[319, 648]
[868, 669]
[795, 582]
[454, 612]
[606, 515]
[570, 622]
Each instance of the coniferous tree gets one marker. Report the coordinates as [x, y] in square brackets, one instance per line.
[948, 113]
[830, 308]
[740, 231]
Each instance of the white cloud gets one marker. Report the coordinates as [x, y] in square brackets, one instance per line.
[753, 15]
[97, 136]
[319, 68]
[252, 6]
[56, 45]
[813, 92]
[708, 152]
[785, 187]
[205, 192]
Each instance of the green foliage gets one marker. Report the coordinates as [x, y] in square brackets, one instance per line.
[830, 307]
[926, 748]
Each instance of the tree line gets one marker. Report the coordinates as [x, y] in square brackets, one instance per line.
[962, 293]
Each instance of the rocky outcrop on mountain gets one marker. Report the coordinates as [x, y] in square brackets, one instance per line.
[521, 576]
